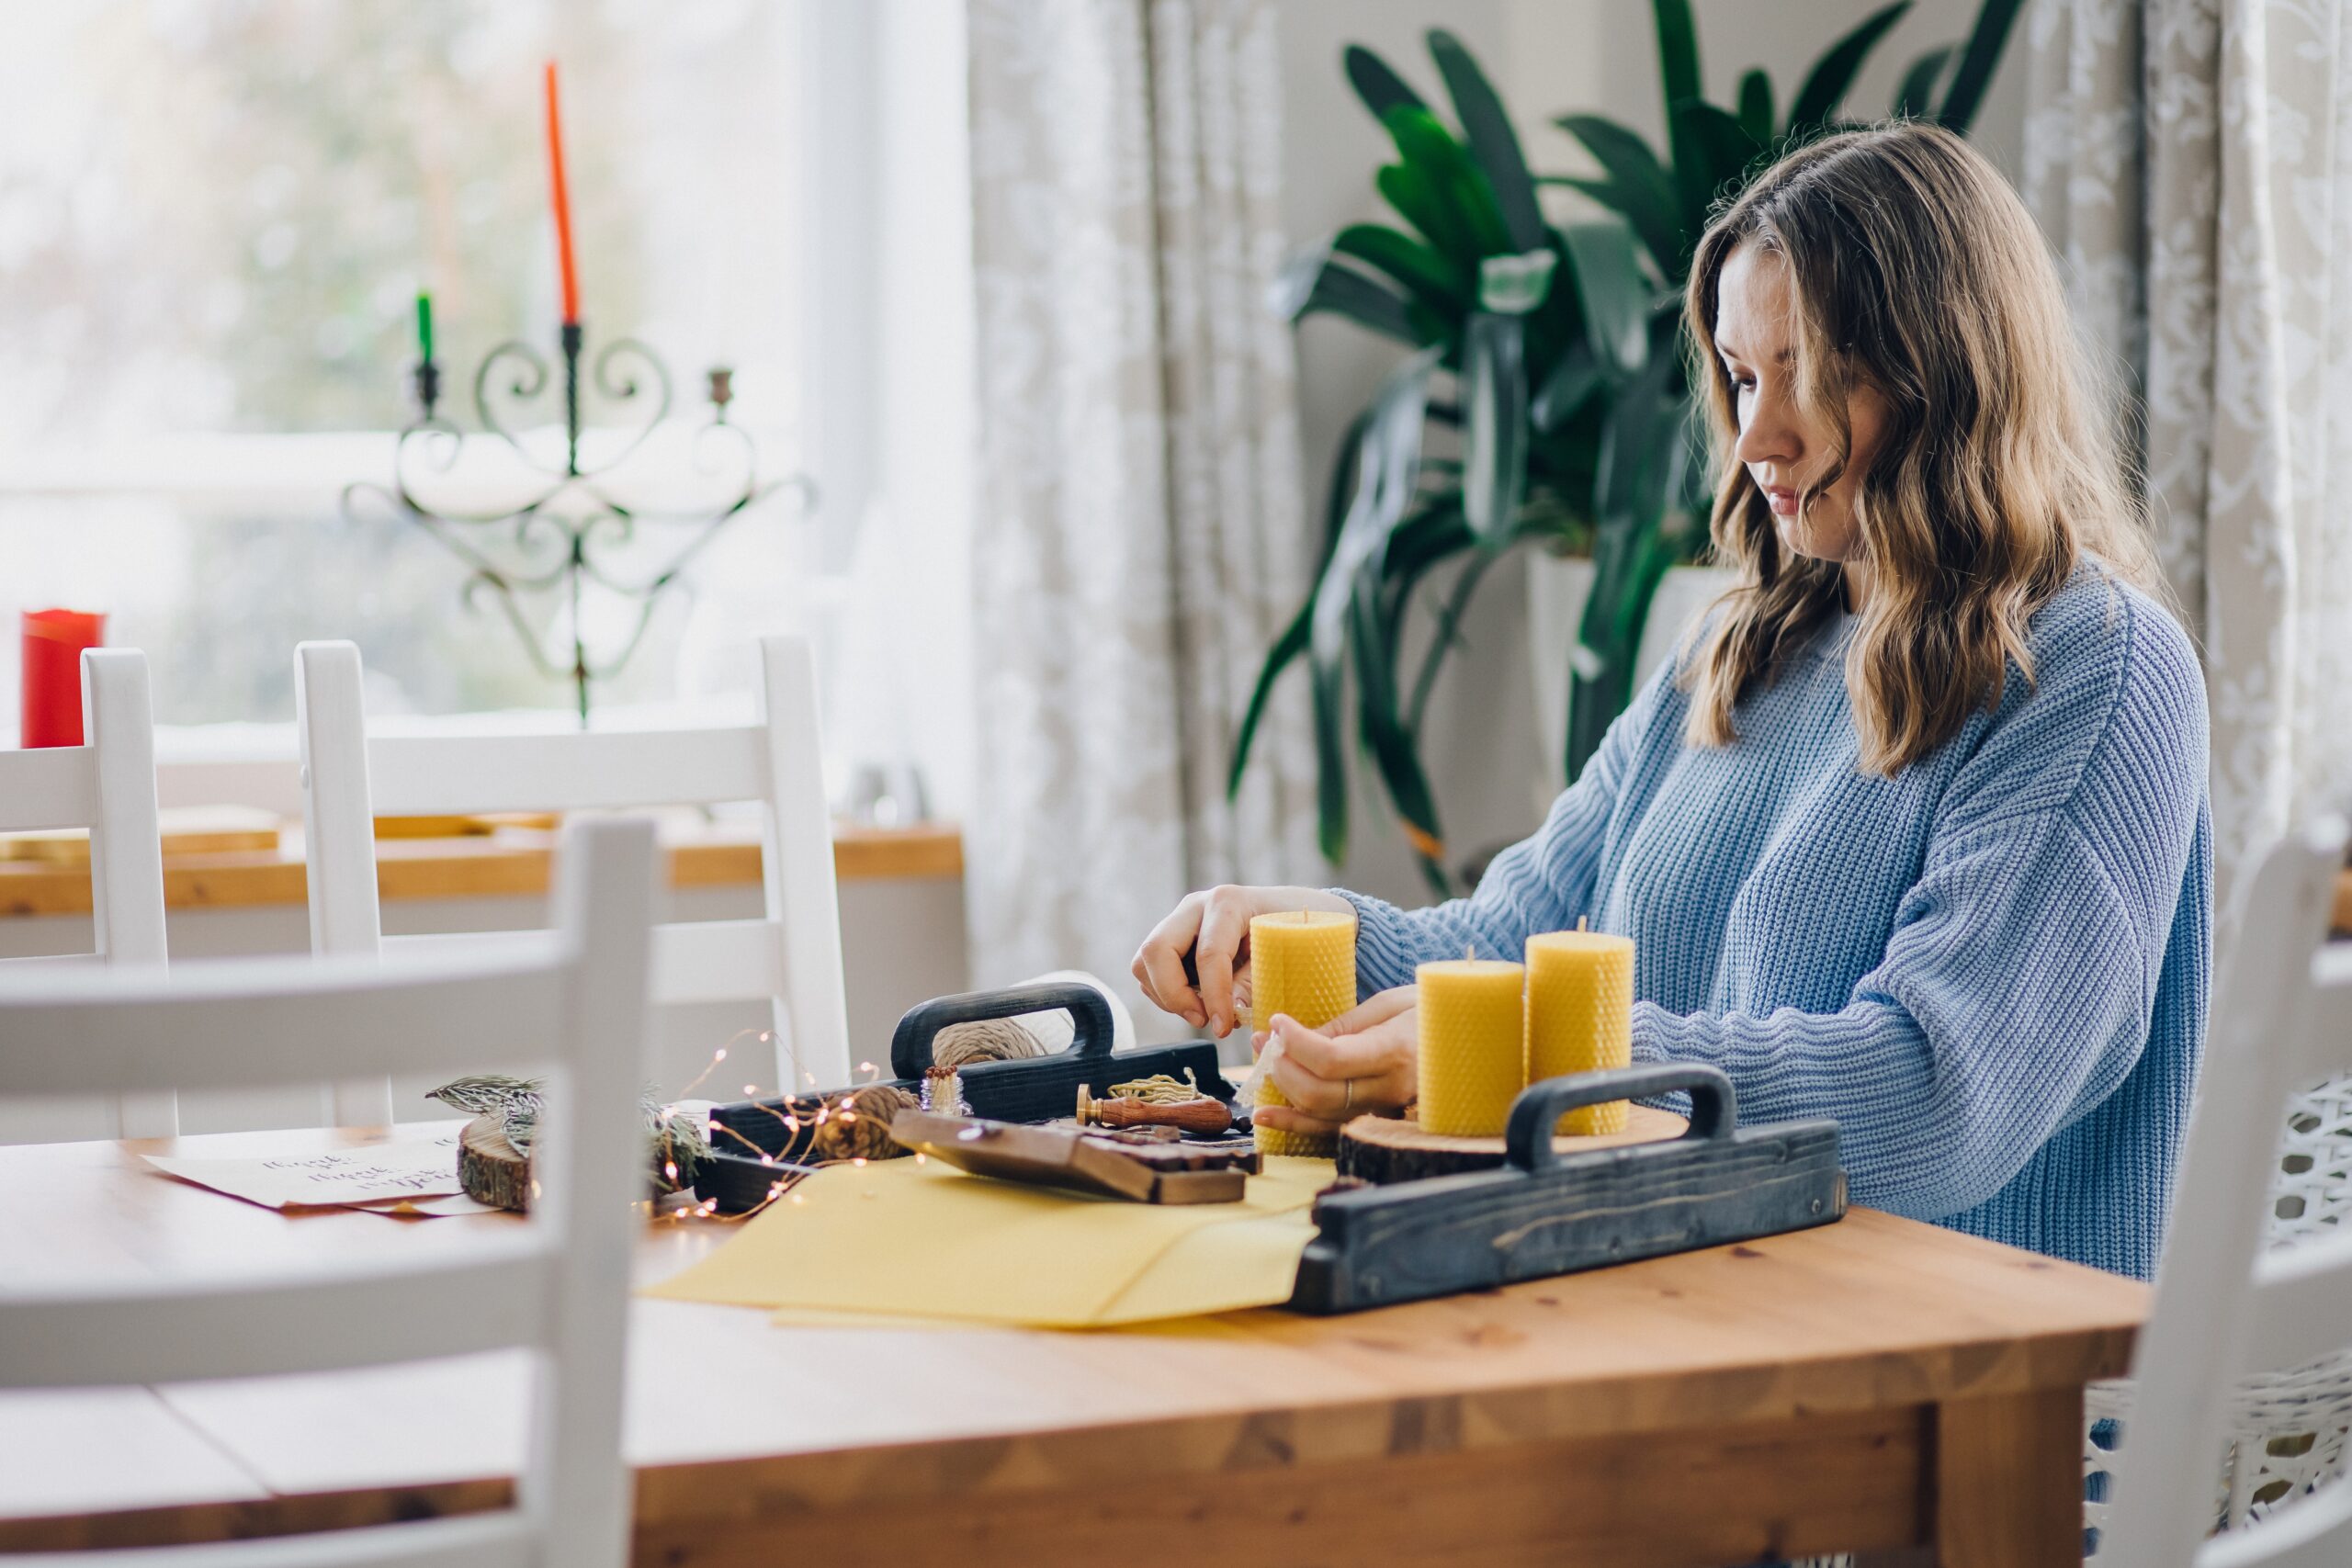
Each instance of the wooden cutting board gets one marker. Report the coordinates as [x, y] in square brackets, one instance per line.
[1382, 1149]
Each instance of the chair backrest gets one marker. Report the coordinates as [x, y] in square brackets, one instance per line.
[791, 957]
[574, 998]
[108, 785]
[2281, 1019]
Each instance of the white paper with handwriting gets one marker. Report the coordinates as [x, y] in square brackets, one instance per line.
[419, 1163]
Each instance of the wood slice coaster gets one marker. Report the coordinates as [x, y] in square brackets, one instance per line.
[1382, 1149]
[490, 1170]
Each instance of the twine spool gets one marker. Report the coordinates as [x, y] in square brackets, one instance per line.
[985, 1040]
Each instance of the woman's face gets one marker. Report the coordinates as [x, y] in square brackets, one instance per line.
[1786, 451]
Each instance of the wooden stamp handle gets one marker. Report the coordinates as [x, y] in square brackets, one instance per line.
[1201, 1115]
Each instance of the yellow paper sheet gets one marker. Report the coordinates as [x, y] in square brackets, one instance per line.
[905, 1239]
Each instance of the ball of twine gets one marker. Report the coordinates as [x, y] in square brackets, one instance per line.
[986, 1040]
[857, 1124]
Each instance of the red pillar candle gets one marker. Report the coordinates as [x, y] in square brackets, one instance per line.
[53, 642]
[563, 206]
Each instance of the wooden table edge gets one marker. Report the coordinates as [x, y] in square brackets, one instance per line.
[509, 864]
[1176, 1451]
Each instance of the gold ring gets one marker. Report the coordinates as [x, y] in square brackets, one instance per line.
[1347, 1094]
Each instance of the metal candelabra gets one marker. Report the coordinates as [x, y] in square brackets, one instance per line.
[549, 544]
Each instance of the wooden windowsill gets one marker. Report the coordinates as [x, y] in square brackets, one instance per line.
[509, 864]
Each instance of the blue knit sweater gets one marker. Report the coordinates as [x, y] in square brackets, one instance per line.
[1991, 969]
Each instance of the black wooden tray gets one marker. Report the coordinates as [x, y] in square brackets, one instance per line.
[1544, 1212]
[1035, 1088]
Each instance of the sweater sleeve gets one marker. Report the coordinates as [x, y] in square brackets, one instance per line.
[1539, 884]
[2016, 988]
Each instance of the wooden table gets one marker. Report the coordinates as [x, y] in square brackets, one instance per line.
[1874, 1384]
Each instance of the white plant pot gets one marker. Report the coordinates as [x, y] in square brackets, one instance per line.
[1556, 587]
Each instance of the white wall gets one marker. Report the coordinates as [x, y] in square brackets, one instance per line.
[1547, 57]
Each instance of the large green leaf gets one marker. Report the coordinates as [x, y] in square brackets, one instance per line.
[1916, 97]
[1381, 717]
[1721, 149]
[1573, 377]
[1679, 74]
[1826, 85]
[1419, 203]
[1293, 640]
[1678, 49]
[1387, 469]
[1380, 89]
[1430, 150]
[1640, 461]
[1637, 446]
[1615, 296]
[1629, 565]
[1756, 107]
[1279, 657]
[1990, 36]
[1427, 275]
[1493, 377]
[1492, 141]
[1638, 186]
[1446, 637]
[1515, 285]
[1346, 292]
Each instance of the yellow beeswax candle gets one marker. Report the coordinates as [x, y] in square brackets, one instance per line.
[1302, 964]
[1580, 1015]
[1472, 1046]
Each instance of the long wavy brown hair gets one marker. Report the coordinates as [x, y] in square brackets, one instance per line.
[1919, 274]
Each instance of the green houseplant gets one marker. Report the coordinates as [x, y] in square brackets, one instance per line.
[1573, 427]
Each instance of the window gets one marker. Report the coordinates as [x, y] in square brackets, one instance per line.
[215, 216]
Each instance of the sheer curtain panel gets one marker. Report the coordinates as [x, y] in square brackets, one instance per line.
[1140, 533]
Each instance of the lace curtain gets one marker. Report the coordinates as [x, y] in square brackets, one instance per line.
[2192, 161]
[1140, 536]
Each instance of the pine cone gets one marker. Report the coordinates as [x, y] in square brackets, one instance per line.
[857, 1124]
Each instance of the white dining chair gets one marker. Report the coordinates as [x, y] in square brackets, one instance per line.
[573, 999]
[108, 785]
[790, 957]
[2226, 1308]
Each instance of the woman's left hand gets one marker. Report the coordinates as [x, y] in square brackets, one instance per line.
[1362, 1061]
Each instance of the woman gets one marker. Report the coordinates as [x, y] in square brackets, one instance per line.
[1911, 833]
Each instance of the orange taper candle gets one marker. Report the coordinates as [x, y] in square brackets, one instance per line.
[563, 206]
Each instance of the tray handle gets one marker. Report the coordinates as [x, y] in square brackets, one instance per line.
[910, 1043]
[1527, 1138]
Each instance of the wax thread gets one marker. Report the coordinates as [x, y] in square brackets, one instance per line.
[1158, 1089]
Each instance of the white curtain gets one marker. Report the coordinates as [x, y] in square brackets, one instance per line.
[1140, 536]
[2192, 161]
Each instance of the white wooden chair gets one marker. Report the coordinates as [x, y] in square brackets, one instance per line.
[574, 998]
[2281, 1019]
[791, 956]
[108, 785]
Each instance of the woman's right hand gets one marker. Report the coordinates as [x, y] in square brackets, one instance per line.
[1212, 930]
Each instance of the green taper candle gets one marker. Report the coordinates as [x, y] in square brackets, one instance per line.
[424, 327]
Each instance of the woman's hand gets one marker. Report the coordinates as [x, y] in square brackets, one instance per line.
[1365, 1060]
[1211, 932]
